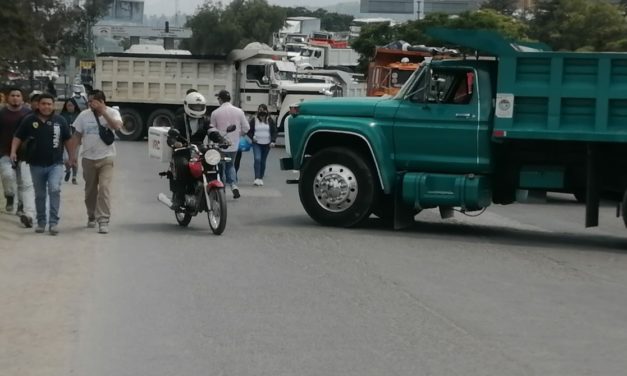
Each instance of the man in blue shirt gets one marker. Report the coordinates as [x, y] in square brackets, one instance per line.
[49, 133]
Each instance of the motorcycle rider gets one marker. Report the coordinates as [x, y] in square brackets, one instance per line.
[193, 127]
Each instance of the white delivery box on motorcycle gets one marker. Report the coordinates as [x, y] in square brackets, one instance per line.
[157, 144]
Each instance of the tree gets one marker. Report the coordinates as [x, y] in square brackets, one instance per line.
[217, 29]
[36, 29]
[578, 24]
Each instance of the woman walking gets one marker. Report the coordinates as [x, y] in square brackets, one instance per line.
[69, 112]
[263, 132]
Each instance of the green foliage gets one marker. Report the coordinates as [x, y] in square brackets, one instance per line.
[217, 29]
[579, 25]
[33, 29]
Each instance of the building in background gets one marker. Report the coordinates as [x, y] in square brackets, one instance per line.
[123, 27]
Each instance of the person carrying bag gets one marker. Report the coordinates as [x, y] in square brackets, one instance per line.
[94, 130]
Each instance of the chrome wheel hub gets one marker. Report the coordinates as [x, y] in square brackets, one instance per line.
[335, 188]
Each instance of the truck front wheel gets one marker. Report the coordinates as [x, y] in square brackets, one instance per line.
[132, 125]
[337, 187]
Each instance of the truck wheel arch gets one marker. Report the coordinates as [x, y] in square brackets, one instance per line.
[322, 139]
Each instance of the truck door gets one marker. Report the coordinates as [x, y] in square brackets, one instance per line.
[255, 88]
[436, 127]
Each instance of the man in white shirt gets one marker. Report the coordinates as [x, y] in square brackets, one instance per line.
[221, 118]
[97, 158]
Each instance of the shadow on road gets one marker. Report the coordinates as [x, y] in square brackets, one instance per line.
[475, 233]
[472, 233]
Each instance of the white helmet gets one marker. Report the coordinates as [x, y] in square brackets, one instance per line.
[195, 105]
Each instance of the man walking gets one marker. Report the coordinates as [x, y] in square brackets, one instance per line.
[97, 158]
[49, 133]
[221, 118]
[10, 117]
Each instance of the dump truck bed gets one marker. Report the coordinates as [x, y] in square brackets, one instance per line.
[562, 96]
[545, 95]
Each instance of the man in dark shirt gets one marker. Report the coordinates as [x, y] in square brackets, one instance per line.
[10, 117]
[50, 133]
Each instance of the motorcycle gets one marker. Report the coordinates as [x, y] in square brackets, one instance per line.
[199, 168]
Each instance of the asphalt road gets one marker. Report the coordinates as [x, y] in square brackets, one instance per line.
[520, 290]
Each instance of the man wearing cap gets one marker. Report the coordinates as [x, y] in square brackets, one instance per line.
[221, 118]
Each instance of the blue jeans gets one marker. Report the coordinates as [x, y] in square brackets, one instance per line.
[228, 169]
[260, 153]
[47, 182]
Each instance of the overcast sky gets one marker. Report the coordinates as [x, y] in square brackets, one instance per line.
[159, 7]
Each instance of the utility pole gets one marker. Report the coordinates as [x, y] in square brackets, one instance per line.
[176, 13]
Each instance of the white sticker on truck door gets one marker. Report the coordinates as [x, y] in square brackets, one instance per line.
[504, 105]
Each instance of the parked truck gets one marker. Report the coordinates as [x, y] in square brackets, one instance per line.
[320, 55]
[149, 88]
[392, 65]
[465, 133]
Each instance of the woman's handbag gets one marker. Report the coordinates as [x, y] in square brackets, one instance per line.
[106, 135]
[244, 143]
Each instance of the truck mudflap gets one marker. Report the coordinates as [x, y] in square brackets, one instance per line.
[429, 190]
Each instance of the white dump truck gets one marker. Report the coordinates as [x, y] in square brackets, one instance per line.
[149, 88]
[321, 56]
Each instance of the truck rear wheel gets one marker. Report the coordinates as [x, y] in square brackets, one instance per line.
[132, 125]
[161, 118]
[337, 187]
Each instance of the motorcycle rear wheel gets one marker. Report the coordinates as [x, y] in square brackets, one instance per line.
[182, 218]
[216, 213]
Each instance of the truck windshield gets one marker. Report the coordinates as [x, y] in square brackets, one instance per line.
[399, 77]
[305, 52]
[411, 82]
[284, 75]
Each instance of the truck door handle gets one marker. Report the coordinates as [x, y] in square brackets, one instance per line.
[464, 116]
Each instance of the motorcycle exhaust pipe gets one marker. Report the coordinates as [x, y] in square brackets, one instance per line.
[165, 200]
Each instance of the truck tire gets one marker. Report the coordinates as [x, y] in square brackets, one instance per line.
[132, 125]
[337, 187]
[161, 118]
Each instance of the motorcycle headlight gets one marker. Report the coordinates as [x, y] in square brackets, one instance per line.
[212, 157]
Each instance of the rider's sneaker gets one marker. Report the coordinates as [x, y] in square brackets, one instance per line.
[257, 183]
[91, 223]
[236, 194]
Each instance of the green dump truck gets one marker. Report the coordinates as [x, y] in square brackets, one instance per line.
[465, 133]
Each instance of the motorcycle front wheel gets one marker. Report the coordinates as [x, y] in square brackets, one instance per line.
[182, 218]
[216, 212]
